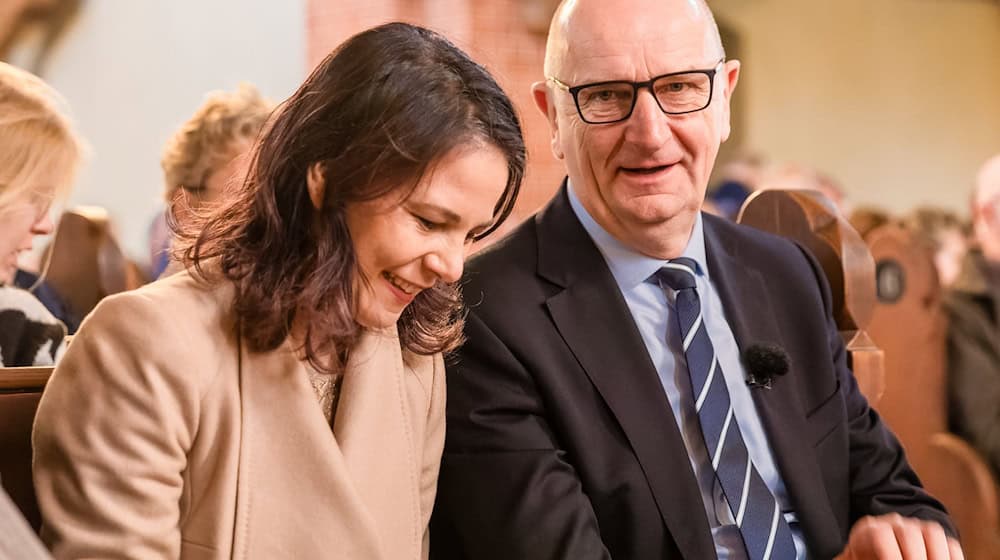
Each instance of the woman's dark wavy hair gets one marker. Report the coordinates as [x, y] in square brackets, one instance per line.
[377, 113]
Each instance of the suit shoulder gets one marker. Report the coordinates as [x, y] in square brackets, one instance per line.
[514, 253]
[773, 252]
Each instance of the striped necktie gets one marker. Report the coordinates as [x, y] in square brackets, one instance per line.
[764, 530]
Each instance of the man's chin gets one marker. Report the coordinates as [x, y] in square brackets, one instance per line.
[665, 210]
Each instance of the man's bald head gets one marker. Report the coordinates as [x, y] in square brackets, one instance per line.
[986, 209]
[988, 180]
[586, 20]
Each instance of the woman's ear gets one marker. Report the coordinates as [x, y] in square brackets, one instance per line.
[316, 183]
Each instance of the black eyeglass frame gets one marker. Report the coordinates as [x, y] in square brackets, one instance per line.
[636, 86]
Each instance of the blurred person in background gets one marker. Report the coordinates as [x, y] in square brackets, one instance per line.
[973, 307]
[39, 156]
[283, 397]
[205, 159]
[945, 236]
[737, 179]
[800, 176]
[865, 219]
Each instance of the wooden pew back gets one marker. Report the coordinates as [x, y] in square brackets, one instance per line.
[85, 261]
[20, 390]
[910, 325]
[810, 218]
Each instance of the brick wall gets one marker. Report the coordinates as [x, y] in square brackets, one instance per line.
[497, 33]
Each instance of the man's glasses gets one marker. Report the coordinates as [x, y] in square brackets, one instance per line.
[677, 93]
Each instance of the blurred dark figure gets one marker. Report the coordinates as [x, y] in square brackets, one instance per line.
[973, 307]
[49, 298]
[736, 180]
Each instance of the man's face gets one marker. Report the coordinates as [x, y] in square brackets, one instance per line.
[986, 210]
[638, 175]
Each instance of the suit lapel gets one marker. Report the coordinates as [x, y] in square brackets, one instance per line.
[593, 318]
[748, 307]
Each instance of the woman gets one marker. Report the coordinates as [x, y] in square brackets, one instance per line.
[206, 154]
[192, 418]
[39, 156]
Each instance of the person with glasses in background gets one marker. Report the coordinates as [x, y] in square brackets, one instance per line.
[283, 396]
[40, 154]
[643, 380]
[973, 307]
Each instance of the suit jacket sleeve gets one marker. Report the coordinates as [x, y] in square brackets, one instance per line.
[110, 437]
[499, 438]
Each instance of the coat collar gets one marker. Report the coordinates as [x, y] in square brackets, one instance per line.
[296, 474]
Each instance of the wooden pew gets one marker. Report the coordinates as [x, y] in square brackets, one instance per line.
[811, 219]
[20, 390]
[85, 262]
[910, 325]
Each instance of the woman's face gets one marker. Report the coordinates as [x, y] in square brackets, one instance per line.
[405, 246]
[20, 221]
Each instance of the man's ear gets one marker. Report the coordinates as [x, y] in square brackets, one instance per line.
[542, 95]
[316, 183]
[731, 75]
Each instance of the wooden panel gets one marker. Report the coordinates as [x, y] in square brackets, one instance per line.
[910, 325]
[810, 219]
[17, 413]
[24, 378]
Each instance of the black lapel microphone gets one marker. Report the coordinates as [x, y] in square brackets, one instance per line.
[764, 362]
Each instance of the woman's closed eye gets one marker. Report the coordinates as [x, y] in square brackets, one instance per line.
[426, 224]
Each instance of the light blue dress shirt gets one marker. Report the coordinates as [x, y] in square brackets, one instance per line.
[652, 307]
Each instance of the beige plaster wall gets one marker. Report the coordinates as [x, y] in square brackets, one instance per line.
[898, 99]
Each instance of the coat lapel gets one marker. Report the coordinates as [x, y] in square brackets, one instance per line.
[592, 317]
[748, 306]
[377, 439]
[293, 476]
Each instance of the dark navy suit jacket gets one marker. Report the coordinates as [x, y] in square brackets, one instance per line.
[561, 443]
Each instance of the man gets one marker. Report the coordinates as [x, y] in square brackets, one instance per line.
[599, 408]
[973, 306]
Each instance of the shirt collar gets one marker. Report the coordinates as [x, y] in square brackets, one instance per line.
[630, 267]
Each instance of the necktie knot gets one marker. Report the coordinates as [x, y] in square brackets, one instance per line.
[679, 273]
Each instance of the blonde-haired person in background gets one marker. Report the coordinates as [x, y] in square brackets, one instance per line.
[204, 157]
[39, 156]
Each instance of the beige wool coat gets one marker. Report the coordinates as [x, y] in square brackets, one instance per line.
[161, 436]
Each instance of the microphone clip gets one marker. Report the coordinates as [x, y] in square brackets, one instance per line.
[755, 382]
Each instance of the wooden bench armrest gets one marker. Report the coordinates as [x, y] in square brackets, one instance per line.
[24, 378]
[961, 479]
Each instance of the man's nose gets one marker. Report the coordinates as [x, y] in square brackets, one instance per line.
[648, 126]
